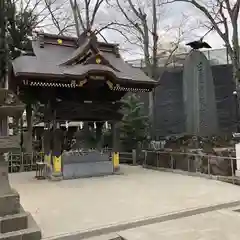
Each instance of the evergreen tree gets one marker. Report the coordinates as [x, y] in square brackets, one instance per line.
[21, 21]
[135, 124]
[20, 24]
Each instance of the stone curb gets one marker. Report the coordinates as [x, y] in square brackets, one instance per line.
[85, 234]
[234, 180]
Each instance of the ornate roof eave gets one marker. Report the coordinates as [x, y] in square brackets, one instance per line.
[74, 39]
[103, 60]
[34, 75]
[83, 76]
[78, 54]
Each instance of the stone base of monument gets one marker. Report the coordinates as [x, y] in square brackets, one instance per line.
[237, 173]
[15, 223]
[9, 203]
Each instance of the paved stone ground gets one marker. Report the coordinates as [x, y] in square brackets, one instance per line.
[83, 204]
[217, 225]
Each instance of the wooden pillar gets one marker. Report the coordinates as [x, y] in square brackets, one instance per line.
[47, 144]
[116, 146]
[47, 136]
[99, 126]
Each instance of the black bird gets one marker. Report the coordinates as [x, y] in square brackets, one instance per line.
[198, 44]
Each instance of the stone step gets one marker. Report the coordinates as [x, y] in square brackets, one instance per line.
[25, 234]
[30, 229]
[13, 222]
[9, 203]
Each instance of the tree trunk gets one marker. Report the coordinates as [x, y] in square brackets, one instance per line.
[155, 40]
[235, 54]
[3, 51]
[74, 11]
[28, 143]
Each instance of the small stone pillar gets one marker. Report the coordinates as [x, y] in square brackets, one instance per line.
[237, 148]
[116, 146]
[57, 153]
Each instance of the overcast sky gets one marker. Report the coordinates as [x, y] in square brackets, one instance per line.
[171, 15]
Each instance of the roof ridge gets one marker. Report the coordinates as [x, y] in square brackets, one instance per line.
[71, 38]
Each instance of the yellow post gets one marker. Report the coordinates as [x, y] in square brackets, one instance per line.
[115, 161]
[57, 164]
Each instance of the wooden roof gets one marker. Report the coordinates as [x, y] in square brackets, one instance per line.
[67, 57]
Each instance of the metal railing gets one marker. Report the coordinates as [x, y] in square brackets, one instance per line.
[192, 164]
[23, 162]
[128, 157]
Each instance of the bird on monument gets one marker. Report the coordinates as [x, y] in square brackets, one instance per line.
[198, 44]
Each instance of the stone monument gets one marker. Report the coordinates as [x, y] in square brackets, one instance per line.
[15, 223]
[199, 96]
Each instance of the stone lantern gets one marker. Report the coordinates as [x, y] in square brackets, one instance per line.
[14, 221]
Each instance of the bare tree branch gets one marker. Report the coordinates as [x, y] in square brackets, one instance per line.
[75, 15]
[223, 11]
[95, 10]
[54, 20]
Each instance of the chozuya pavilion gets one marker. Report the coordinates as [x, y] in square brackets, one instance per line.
[77, 80]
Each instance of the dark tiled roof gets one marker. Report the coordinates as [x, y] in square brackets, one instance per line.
[51, 60]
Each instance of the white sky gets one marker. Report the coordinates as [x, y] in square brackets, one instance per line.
[171, 15]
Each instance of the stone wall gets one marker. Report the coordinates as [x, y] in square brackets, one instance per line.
[169, 101]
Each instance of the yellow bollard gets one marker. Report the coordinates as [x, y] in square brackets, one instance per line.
[57, 164]
[116, 161]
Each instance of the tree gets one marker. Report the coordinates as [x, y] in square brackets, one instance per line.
[139, 24]
[134, 125]
[223, 16]
[21, 23]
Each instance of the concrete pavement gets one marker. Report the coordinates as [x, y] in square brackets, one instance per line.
[82, 205]
[217, 225]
